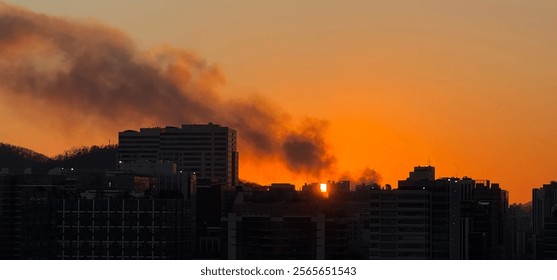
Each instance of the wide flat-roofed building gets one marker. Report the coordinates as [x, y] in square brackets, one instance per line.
[209, 150]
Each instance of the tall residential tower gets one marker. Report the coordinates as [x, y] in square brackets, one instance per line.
[209, 150]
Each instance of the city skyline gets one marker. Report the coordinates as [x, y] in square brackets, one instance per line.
[149, 209]
[197, 148]
[386, 87]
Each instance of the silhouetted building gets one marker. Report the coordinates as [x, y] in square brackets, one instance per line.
[400, 224]
[467, 217]
[521, 243]
[153, 210]
[207, 150]
[57, 217]
[423, 179]
[27, 216]
[544, 206]
[347, 227]
[7, 213]
[274, 225]
[117, 225]
[209, 208]
[422, 173]
[337, 190]
[281, 223]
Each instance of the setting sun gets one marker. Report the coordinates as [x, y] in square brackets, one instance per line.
[323, 187]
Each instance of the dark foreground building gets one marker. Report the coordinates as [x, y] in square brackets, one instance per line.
[281, 223]
[151, 210]
[466, 217]
[520, 243]
[208, 150]
[544, 205]
[58, 217]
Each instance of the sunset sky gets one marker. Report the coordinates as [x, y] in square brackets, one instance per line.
[468, 87]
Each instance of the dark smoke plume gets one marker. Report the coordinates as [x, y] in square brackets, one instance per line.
[77, 73]
[307, 148]
[366, 176]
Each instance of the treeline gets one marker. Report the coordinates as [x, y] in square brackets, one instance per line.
[17, 158]
[93, 157]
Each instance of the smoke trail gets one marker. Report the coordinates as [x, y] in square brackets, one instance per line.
[73, 73]
[365, 176]
[306, 149]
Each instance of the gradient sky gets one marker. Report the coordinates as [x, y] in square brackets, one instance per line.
[468, 87]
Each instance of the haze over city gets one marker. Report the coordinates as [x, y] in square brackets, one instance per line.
[315, 89]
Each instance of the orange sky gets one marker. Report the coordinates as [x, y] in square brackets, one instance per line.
[469, 87]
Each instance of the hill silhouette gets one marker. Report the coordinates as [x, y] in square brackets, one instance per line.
[18, 158]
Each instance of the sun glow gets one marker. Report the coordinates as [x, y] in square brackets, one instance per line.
[323, 187]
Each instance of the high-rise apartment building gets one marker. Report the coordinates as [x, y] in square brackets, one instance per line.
[465, 217]
[209, 150]
[544, 206]
[281, 223]
[47, 216]
[520, 240]
[400, 224]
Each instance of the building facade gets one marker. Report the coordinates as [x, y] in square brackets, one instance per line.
[464, 218]
[58, 217]
[544, 208]
[208, 150]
